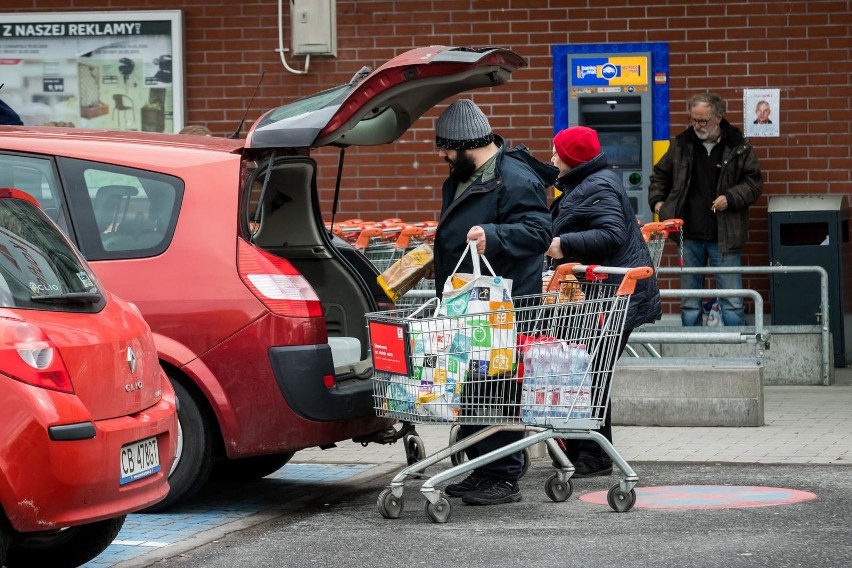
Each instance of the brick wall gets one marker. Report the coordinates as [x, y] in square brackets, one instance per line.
[802, 48]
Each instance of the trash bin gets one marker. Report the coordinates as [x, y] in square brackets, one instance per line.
[811, 230]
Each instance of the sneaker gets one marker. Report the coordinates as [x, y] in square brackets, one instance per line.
[465, 486]
[584, 469]
[494, 492]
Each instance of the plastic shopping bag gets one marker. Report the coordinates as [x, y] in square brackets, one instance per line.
[483, 302]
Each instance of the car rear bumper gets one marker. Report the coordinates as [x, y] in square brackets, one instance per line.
[69, 482]
[300, 370]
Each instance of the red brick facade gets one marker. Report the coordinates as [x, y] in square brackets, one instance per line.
[801, 47]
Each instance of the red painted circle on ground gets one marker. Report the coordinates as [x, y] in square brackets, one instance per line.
[708, 497]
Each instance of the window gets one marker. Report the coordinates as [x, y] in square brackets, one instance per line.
[35, 176]
[121, 212]
[38, 266]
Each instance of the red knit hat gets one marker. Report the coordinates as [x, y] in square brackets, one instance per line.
[577, 145]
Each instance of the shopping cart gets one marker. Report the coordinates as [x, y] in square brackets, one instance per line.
[559, 350]
[656, 233]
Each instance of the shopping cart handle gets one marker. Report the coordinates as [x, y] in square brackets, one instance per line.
[672, 225]
[628, 284]
[366, 234]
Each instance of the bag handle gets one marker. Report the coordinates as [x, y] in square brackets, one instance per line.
[475, 257]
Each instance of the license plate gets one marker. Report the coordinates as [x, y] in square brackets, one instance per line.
[139, 459]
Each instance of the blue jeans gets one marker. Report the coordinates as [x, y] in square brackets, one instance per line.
[700, 254]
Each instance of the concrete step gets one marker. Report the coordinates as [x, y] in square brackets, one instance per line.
[680, 391]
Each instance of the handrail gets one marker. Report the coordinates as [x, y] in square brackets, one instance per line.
[822, 316]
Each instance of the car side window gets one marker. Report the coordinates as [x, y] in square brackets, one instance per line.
[37, 177]
[121, 212]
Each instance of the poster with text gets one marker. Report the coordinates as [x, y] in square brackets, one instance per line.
[109, 70]
[762, 112]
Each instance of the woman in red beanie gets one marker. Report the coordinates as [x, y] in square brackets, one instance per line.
[594, 223]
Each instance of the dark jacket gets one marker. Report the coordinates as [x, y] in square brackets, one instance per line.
[8, 115]
[740, 181]
[595, 224]
[510, 204]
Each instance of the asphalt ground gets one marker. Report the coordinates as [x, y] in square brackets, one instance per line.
[805, 445]
[336, 524]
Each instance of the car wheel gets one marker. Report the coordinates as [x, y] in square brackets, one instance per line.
[195, 451]
[66, 548]
[249, 469]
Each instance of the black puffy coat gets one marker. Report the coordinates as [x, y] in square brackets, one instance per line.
[510, 204]
[595, 224]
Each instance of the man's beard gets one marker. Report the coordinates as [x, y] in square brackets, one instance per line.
[711, 134]
[462, 167]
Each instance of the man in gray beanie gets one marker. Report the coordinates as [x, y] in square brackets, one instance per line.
[494, 197]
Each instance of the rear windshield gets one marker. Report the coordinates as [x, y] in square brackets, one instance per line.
[38, 267]
[313, 103]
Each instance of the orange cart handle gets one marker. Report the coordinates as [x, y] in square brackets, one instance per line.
[366, 234]
[628, 284]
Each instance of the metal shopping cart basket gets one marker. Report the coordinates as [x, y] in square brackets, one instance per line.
[656, 233]
[542, 366]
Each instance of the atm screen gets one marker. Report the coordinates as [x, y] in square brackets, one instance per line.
[622, 149]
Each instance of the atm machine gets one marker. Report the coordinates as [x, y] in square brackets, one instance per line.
[611, 93]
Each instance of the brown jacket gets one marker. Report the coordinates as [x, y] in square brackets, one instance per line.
[740, 181]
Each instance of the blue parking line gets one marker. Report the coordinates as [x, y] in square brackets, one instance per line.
[143, 533]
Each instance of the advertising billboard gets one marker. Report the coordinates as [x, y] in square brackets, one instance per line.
[111, 70]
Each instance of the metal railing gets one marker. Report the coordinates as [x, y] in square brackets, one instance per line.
[822, 316]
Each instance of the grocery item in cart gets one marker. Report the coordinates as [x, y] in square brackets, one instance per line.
[406, 272]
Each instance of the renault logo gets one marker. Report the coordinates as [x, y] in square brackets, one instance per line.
[131, 360]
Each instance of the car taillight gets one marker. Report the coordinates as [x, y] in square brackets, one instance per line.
[276, 283]
[28, 355]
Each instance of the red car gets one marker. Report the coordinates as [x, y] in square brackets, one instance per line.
[222, 246]
[89, 428]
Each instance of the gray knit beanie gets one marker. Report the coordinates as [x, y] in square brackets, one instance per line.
[462, 126]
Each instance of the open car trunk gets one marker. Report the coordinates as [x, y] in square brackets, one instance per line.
[290, 226]
[374, 108]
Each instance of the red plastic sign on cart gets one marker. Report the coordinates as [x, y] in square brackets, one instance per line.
[390, 353]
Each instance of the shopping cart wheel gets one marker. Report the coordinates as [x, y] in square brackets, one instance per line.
[620, 501]
[390, 506]
[439, 512]
[558, 491]
[460, 456]
[415, 450]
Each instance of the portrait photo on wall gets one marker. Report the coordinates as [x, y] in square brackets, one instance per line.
[761, 112]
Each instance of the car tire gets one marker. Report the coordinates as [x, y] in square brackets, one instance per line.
[249, 469]
[67, 548]
[195, 451]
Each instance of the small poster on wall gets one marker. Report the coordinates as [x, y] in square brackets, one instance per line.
[762, 112]
[110, 70]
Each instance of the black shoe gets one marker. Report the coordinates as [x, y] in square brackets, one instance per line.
[470, 483]
[494, 492]
[583, 469]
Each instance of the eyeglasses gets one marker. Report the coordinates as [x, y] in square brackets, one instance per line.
[702, 122]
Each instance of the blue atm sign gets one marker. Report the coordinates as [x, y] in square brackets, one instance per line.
[609, 71]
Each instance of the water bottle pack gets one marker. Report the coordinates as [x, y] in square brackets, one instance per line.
[556, 381]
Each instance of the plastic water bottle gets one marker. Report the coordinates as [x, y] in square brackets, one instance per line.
[558, 378]
[528, 388]
[581, 383]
